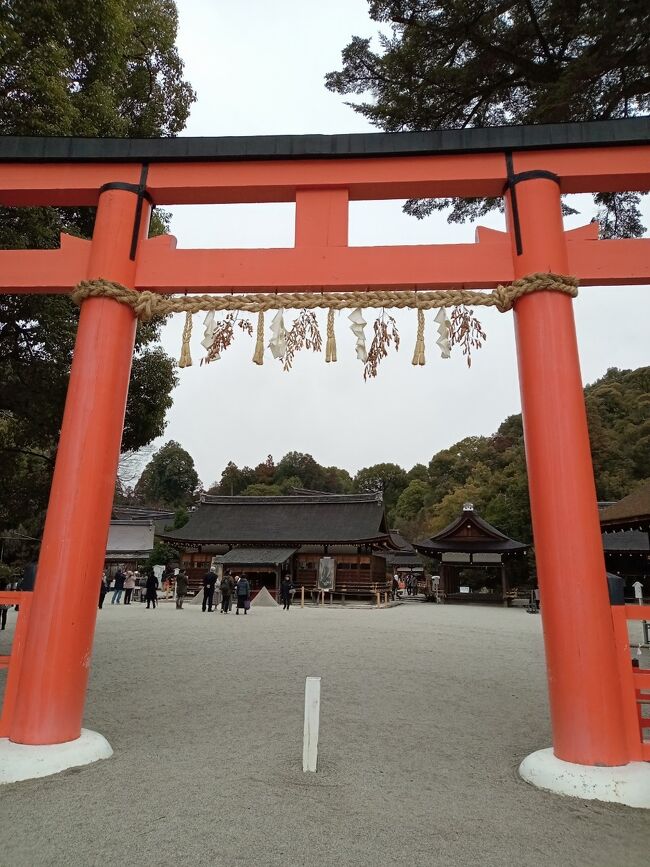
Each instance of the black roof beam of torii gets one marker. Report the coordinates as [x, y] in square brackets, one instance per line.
[603, 133]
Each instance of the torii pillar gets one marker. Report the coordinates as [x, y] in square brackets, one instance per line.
[589, 745]
[56, 662]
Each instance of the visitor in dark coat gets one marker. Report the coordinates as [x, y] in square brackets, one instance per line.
[152, 587]
[102, 590]
[209, 582]
[29, 577]
[285, 592]
[227, 585]
[243, 595]
[120, 578]
[181, 588]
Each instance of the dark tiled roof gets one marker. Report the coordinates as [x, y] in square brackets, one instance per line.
[256, 556]
[631, 511]
[627, 541]
[291, 520]
[133, 513]
[400, 543]
[486, 538]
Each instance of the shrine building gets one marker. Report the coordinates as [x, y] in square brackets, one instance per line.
[477, 561]
[626, 538]
[267, 537]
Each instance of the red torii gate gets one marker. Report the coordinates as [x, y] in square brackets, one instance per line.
[531, 166]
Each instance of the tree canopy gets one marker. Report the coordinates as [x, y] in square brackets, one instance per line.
[451, 64]
[105, 69]
[489, 471]
[169, 479]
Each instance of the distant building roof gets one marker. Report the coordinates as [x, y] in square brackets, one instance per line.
[133, 513]
[469, 533]
[626, 542]
[632, 512]
[295, 519]
[255, 556]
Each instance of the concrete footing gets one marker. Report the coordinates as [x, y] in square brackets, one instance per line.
[628, 784]
[23, 762]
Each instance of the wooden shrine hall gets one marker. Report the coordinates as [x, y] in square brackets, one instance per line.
[267, 537]
[476, 559]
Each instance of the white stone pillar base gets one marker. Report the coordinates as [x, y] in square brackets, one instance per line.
[627, 784]
[26, 762]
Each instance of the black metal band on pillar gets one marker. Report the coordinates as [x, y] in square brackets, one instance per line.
[140, 191]
[515, 178]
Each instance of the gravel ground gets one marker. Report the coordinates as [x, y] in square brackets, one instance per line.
[426, 712]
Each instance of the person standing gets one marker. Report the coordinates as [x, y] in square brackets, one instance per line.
[243, 594]
[152, 587]
[181, 588]
[395, 586]
[120, 578]
[226, 593]
[217, 592]
[209, 582]
[129, 587]
[285, 592]
[103, 588]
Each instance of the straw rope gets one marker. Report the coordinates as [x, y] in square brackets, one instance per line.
[147, 305]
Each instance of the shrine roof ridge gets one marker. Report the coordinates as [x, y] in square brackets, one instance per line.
[601, 133]
[291, 499]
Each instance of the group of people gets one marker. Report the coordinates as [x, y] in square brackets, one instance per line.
[240, 588]
[126, 582]
[410, 584]
[218, 593]
[225, 588]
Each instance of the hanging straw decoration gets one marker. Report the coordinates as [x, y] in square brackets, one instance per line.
[186, 357]
[278, 341]
[330, 346]
[210, 327]
[418, 353]
[443, 333]
[461, 329]
[258, 355]
[357, 328]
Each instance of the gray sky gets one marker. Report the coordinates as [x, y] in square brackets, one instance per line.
[258, 68]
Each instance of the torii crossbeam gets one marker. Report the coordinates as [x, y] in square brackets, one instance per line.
[530, 166]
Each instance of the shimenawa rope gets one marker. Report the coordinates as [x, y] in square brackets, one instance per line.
[147, 305]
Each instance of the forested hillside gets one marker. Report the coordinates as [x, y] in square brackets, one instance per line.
[487, 471]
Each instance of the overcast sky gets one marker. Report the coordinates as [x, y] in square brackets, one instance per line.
[258, 69]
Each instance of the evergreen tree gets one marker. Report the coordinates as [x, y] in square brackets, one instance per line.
[169, 479]
[73, 68]
[449, 64]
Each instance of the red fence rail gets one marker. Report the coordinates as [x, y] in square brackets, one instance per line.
[13, 661]
[635, 683]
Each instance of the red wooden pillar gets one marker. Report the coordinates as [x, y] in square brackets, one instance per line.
[578, 631]
[56, 662]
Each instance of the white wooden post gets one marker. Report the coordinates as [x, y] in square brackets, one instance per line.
[312, 718]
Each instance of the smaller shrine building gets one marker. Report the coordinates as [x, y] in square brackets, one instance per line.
[477, 562]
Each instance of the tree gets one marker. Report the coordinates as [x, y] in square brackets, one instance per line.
[451, 64]
[304, 467]
[261, 490]
[169, 479]
[162, 555]
[390, 479]
[105, 69]
[233, 480]
[411, 502]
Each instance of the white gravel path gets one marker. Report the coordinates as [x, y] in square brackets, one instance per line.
[426, 712]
